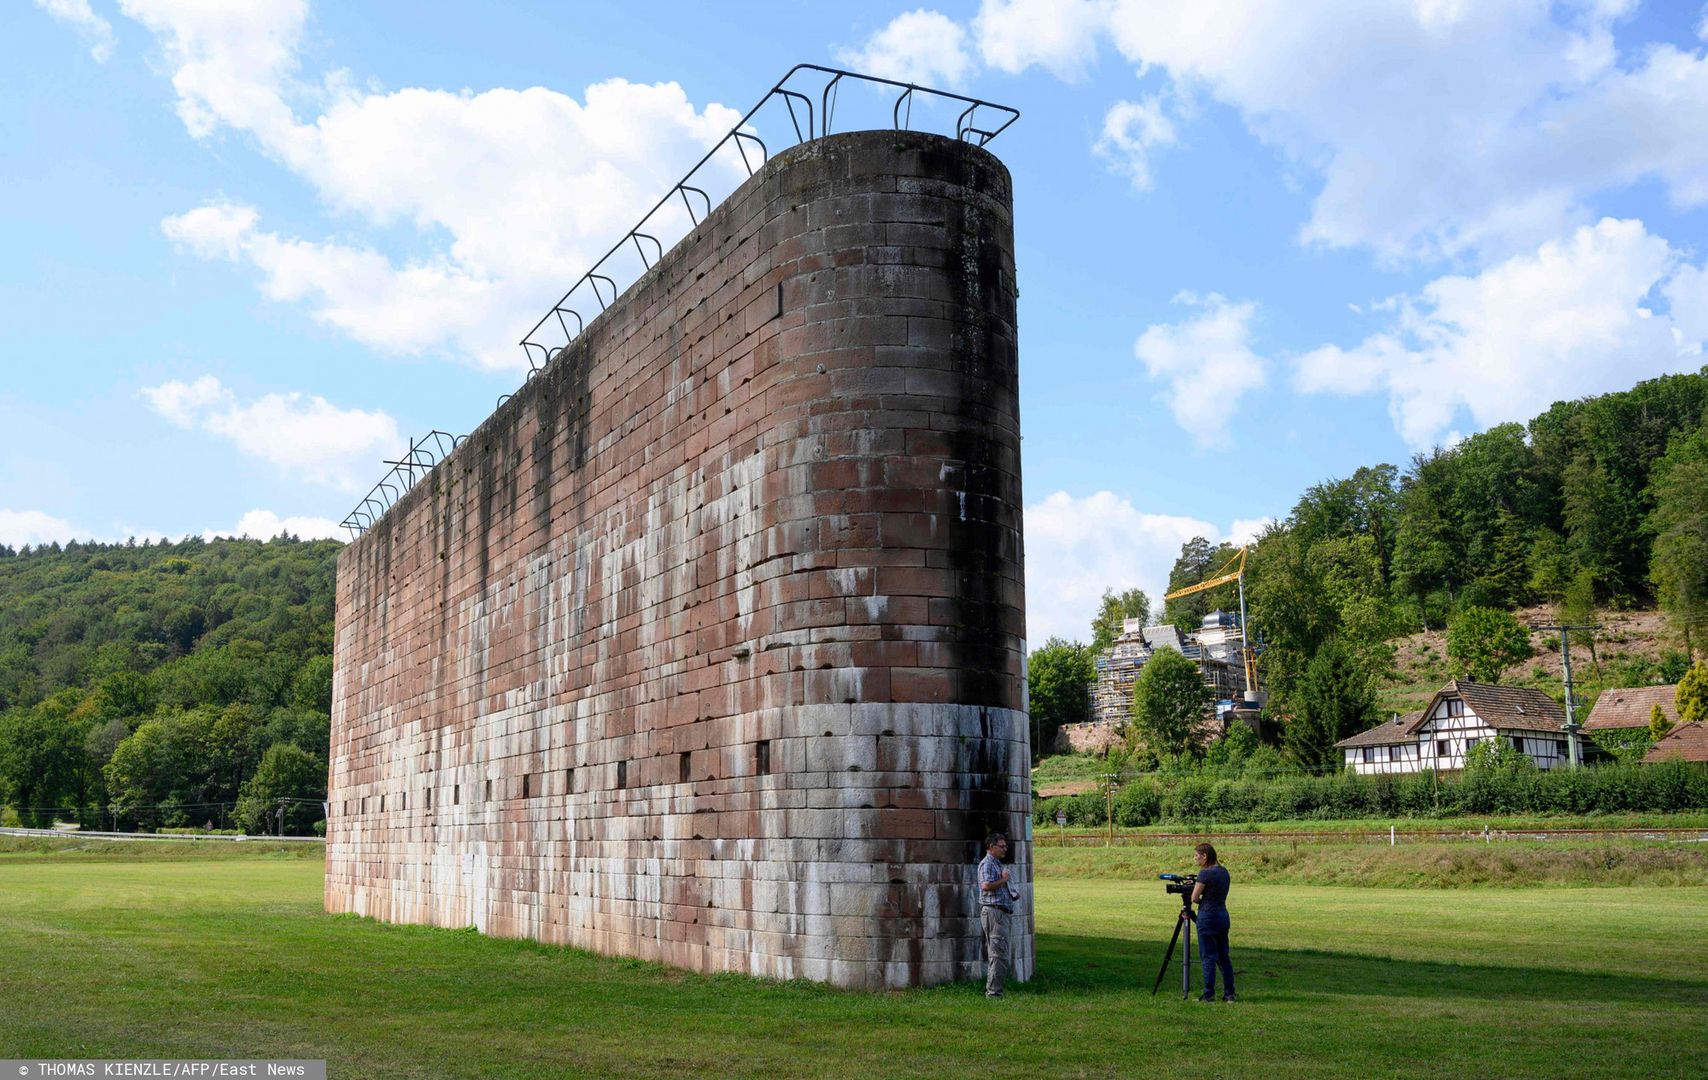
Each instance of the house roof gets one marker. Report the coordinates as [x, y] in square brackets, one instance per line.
[1687, 741]
[1505, 707]
[1629, 707]
[1395, 732]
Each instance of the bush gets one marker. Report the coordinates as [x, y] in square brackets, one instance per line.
[1192, 800]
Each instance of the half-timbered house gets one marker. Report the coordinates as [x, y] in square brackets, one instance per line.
[1462, 714]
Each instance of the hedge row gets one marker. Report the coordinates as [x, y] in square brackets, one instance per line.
[1667, 786]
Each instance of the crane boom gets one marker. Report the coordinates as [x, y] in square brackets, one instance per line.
[1222, 577]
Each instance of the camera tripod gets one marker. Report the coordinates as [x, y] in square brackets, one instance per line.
[1186, 920]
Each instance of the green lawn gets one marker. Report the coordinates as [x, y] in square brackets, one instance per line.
[232, 957]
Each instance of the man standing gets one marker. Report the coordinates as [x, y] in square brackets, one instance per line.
[996, 904]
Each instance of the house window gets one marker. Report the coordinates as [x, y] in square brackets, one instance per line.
[762, 757]
[1441, 747]
[1455, 707]
[622, 774]
[682, 766]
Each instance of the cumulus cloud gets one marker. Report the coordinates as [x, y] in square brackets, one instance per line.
[265, 525]
[512, 192]
[1206, 360]
[20, 527]
[1443, 127]
[1078, 547]
[77, 14]
[1059, 35]
[1570, 318]
[182, 403]
[304, 436]
[923, 47]
[1131, 131]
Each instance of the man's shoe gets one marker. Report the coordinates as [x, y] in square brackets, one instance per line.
[1206, 997]
[992, 996]
[1230, 997]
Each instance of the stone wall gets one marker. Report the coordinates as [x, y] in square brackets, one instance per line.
[706, 647]
[1089, 737]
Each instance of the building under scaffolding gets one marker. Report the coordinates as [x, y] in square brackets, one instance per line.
[1217, 646]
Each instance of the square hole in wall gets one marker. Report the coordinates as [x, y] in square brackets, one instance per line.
[762, 757]
[569, 781]
[456, 794]
[428, 804]
[488, 791]
[683, 766]
[622, 775]
[525, 780]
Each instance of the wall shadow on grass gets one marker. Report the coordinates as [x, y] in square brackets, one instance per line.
[1070, 964]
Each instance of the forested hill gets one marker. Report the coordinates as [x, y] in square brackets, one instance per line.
[152, 680]
[1596, 504]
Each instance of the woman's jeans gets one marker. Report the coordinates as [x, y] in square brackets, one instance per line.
[1213, 950]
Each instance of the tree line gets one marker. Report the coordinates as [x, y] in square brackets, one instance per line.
[166, 684]
[1599, 502]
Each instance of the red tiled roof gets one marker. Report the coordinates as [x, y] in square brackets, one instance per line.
[1395, 732]
[1629, 707]
[1688, 741]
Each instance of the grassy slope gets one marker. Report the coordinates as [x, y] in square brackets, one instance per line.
[233, 958]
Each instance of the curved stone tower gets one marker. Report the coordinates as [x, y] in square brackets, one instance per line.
[706, 647]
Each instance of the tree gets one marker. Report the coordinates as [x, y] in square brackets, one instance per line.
[1679, 524]
[288, 778]
[1692, 700]
[1169, 702]
[1199, 560]
[1335, 700]
[1483, 643]
[1498, 756]
[1658, 723]
[1113, 611]
[1058, 685]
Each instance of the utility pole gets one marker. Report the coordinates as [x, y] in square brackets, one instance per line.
[1573, 752]
[1110, 780]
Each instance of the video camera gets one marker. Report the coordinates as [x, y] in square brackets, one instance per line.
[1179, 884]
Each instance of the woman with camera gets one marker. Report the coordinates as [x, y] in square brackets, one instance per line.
[1210, 893]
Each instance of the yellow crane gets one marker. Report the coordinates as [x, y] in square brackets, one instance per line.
[1229, 572]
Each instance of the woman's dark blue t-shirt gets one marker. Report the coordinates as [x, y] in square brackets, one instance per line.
[1215, 880]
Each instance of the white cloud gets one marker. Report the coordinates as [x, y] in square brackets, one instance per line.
[1131, 129]
[20, 527]
[513, 192]
[1078, 547]
[91, 27]
[1568, 319]
[1438, 127]
[182, 403]
[264, 525]
[1059, 35]
[1247, 530]
[1687, 295]
[923, 47]
[1207, 362]
[305, 436]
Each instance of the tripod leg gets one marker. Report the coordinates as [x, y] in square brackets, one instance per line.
[1167, 956]
[1186, 964]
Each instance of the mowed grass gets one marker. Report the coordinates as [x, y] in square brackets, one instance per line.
[233, 957]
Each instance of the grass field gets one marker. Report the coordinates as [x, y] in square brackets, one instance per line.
[153, 953]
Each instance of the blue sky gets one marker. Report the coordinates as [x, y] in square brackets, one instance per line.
[251, 248]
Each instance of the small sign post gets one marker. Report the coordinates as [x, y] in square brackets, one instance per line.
[1061, 825]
